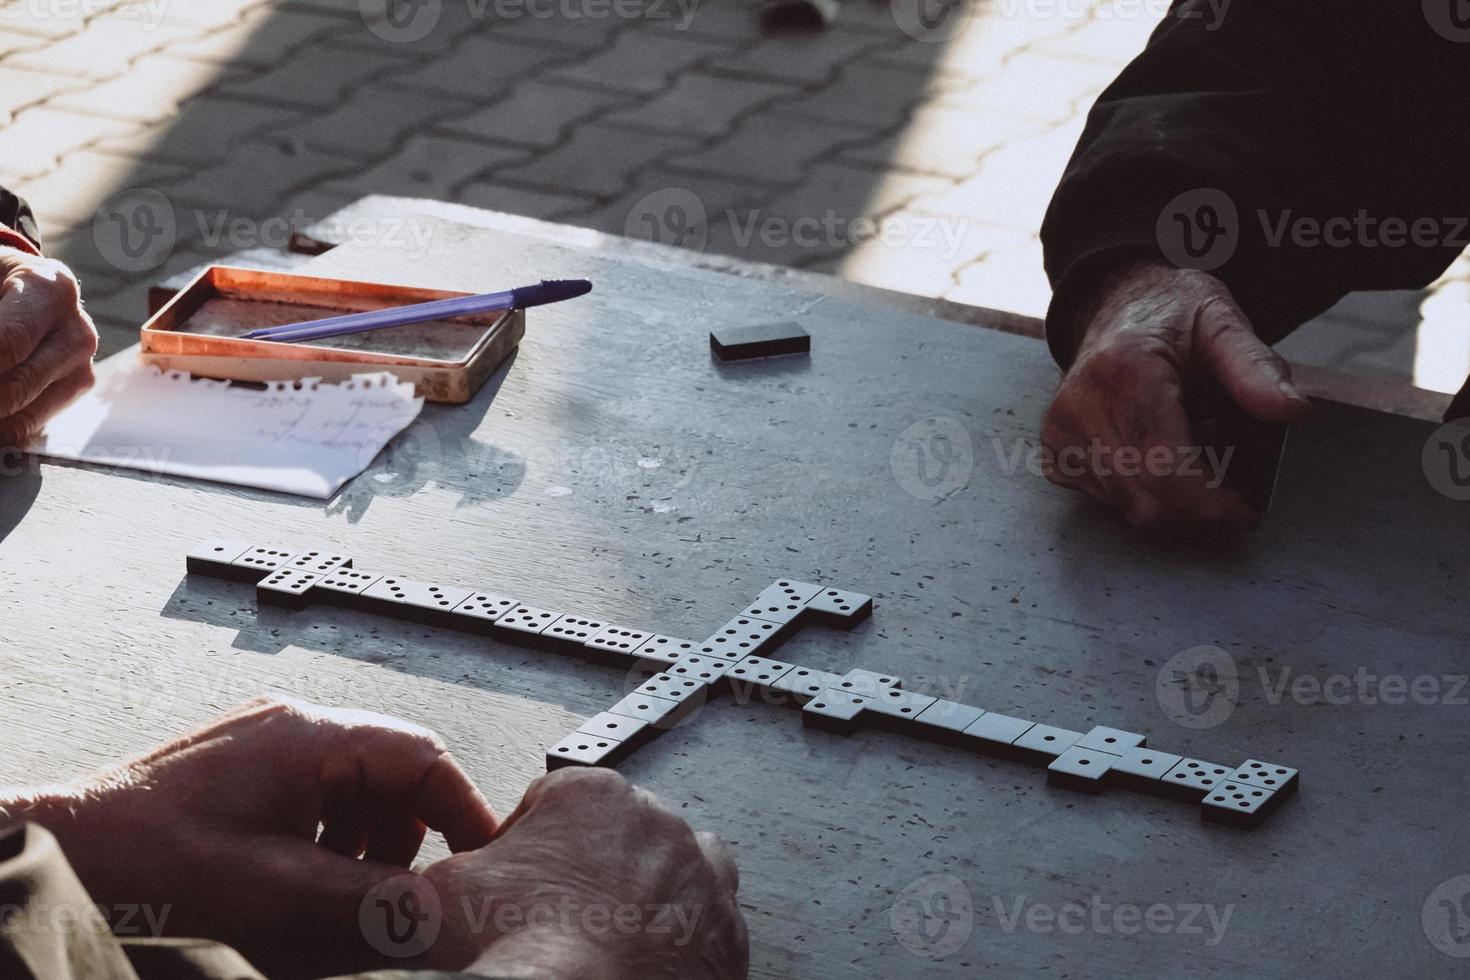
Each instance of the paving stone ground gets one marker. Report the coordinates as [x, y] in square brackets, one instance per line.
[890, 148]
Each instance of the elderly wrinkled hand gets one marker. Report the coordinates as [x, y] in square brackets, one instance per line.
[47, 343]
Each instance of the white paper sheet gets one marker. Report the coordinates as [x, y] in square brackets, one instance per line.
[306, 438]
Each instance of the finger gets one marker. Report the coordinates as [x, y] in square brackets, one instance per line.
[721, 859]
[387, 762]
[25, 425]
[1172, 492]
[395, 839]
[36, 298]
[1254, 375]
[61, 352]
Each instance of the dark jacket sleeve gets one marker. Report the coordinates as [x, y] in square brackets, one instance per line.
[1333, 111]
[16, 215]
[49, 928]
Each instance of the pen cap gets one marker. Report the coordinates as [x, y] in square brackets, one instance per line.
[549, 291]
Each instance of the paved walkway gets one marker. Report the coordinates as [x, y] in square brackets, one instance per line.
[897, 148]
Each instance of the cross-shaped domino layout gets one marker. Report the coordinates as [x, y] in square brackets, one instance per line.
[738, 660]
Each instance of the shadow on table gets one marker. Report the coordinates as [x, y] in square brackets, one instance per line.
[457, 658]
[18, 491]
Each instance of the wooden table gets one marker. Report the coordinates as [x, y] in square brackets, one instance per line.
[614, 469]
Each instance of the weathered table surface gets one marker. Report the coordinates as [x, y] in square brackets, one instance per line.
[614, 469]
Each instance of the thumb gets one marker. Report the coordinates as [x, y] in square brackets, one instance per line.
[1255, 376]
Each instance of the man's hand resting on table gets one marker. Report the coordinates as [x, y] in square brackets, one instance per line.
[592, 877]
[47, 343]
[219, 829]
[1154, 332]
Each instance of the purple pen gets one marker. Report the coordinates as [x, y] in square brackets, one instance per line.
[546, 291]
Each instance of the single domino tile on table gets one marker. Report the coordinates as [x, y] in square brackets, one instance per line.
[674, 688]
[749, 679]
[834, 711]
[585, 750]
[319, 562]
[742, 637]
[995, 734]
[524, 625]
[615, 645]
[1239, 804]
[1114, 741]
[479, 612]
[1281, 780]
[1191, 779]
[660, 714]
[759, 340]
[286, 587]
[569, 633]
[782, 602]
[897, 710]
[632, 732]
[1144, 769]
[217, 557]
[345, 586]
[659, 651]
[945, 722]
[867, 683]
[706, 670]
[1043, 743]
[838, 609]
[385, 596]
[800, 684]
[1080, 769]
[259, 562]
[431, 604]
